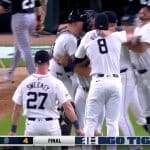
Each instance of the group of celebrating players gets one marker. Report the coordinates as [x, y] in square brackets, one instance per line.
[89, 76]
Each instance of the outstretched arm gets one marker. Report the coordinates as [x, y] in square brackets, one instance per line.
[70, 113]
[15, 117]
[138, 47]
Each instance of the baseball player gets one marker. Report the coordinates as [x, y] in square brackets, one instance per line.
[64, 49]
[105, 88]
[66, 45]
[129, 97]
[141, 55]
[39, 95]
[84, 80]
[23, 23]
[129, 91]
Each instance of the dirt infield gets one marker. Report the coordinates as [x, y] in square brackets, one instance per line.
[7, 39]
[7, 88]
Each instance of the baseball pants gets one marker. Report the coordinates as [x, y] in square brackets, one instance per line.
[22, 25]
[129, 100]
[44, 128]
[80, 101]
[105, 92]
[143, 85]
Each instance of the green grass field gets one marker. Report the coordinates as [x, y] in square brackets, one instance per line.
[7, 62]
[5, 125]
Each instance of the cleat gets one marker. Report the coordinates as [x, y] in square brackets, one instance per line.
[8, 77]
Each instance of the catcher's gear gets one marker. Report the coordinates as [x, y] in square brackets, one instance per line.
[89, 23]
[76, 15]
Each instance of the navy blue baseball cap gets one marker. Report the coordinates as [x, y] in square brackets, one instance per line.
[41, 57]
[101, 21]
[112, 16]
[128, 20]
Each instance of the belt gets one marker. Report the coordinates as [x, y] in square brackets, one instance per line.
[123, 70]
[59, 74]
[86, 89]
[142, 71]
[47, 119]
[112, 75]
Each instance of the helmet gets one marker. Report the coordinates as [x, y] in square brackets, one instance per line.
[101, 21]
[76, 15]
[112, 17]
[89, 23]
[128, 20]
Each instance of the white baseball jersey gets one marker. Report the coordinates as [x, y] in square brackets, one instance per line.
[142, 60]
[65, 44]
[125, 60]
[40, 96]
[100, 54]
[129, 96]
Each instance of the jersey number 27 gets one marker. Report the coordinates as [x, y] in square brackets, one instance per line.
[34, 97]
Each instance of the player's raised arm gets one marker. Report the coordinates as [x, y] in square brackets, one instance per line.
[135, 43]
[141, 40]
[137, 46]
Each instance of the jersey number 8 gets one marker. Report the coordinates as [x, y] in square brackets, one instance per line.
[102, 46]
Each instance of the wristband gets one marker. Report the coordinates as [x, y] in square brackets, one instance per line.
[76, 124]
[13, 128]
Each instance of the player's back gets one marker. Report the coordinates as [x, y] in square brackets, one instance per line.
[41, 95]
[104, 54]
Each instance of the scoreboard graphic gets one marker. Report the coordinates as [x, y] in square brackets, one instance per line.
[72, 140]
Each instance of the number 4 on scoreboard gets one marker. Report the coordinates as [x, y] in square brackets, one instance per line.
[25, 141]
